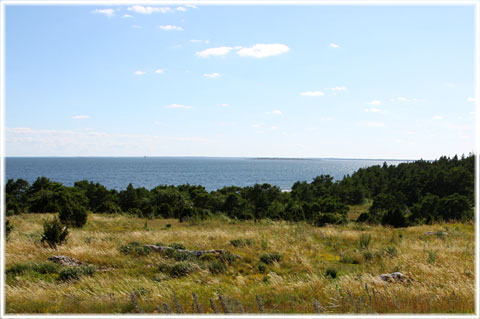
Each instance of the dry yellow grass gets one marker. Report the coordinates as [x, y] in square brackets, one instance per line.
[442, 268]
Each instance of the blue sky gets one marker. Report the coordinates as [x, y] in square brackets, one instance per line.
[213, 80]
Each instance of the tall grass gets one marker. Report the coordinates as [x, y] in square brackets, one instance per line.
[442, 281]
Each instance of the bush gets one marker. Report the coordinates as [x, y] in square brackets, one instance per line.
[181, 269]
[42, 268]
[227, 258]
[168, 225]
[217, 267]
[47, 268]
[331, 272]
[242, 242]
[74, 273]
[180, 255]
[134, 248]
[330, 218]
[17, 269]
[54, 233]
[270, 258]
[262, 268]
[73, 214]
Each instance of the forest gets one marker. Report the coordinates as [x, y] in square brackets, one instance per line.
[407, 194]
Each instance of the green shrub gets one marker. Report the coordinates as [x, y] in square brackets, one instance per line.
[17, 269]
[241, 242]
[73, 214]
[228, 258]
[75, 273]
[42, 268]
[54, 233]
[181, 269]
[364, 241]
[47, 268]
[217, 267]
[330, 218]
[134, 248]
[168, 225]
[180, 255]
[270, 258]
[262, 268]
[331, 272]
[163, 267]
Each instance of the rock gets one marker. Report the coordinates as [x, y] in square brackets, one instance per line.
[395, 277]
[438, 233]
[66, 261]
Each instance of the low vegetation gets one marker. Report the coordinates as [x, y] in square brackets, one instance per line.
[287, 267]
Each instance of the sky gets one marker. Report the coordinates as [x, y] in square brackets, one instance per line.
[389, 82]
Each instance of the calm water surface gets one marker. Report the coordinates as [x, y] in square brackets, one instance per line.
[213, 173]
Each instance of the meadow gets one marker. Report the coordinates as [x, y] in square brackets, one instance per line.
[270, 267]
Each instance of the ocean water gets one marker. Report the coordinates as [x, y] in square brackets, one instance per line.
[212, 173]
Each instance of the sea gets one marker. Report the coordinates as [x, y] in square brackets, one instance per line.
[211, 172]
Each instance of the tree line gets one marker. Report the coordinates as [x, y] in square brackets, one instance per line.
[405, 194]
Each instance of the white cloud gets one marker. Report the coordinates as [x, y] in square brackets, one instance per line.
[337, 88]
[333, 45]
[127, 16]
[256, 126]
[107, 12]
[80, 117]
[374, 102]
[263, 50]
[214, 52]
[181, 9]
[170, 28]
[374, 110]
[211, 75]
[312, 93]
[199, 41]
[471, 99]
[274, 128]
[275, 112]
[159, 71]
[177, 106]
[136, 26]
[375, 124]
[191, 6]
[223, 105]
[437, 117]
[406, 100]
[149, 10]
[30, 142]
[139, 72]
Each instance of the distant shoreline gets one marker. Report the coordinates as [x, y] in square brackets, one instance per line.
[233, 157]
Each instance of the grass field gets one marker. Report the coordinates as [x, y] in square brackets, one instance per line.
[320, 269]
